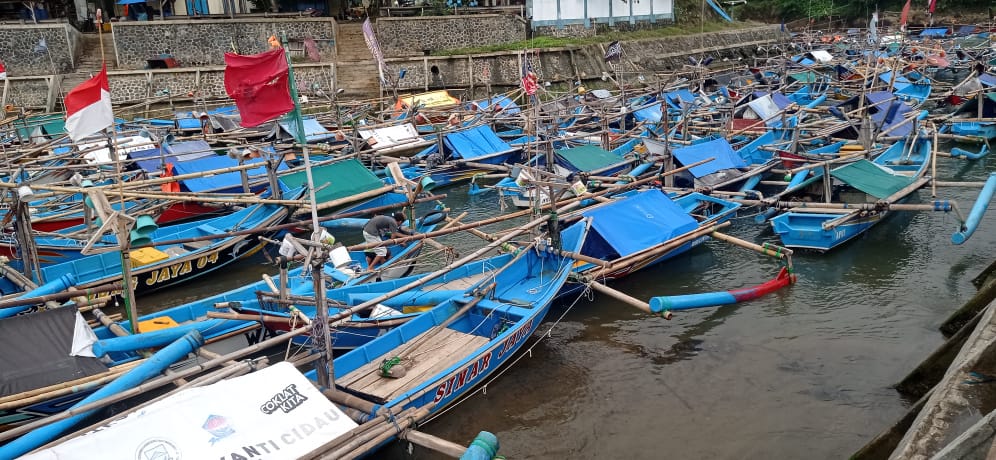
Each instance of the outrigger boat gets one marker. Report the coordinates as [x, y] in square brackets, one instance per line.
[889, 179]
[430, 361]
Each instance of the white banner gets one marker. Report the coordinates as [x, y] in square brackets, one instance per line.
[275, 413]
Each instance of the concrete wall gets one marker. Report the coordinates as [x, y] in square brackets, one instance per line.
[18, 43]
[204, 42]
[411, 36]
[581, 62]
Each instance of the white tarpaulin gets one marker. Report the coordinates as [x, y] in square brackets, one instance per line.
[821, 56]
[275, 413]
[765, 108]
[390, 136]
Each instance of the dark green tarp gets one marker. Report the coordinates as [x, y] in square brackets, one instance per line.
[871, 178]
[588, 158]
[344, 178]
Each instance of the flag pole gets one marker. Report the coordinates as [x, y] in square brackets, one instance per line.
[324, 364]
[100, 33]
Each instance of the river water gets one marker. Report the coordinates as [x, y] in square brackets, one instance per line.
[802, 373]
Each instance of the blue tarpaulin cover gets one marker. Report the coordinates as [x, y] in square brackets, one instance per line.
[475, 143]
[876, 98]
[218, 181]
[313, 130]
[650, 114]
[988, 80]
[719, 149]
[938, 32]
[640, 221]
[506, 105]
[675, 98]
[966, 30]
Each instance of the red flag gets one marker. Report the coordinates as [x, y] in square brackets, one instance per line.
[169, 186]
[904, 16]
[259, 85]
[530, 83]
[3, 71]
[88, 107]
[931, 6]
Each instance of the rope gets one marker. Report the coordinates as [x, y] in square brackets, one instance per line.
[586, 293]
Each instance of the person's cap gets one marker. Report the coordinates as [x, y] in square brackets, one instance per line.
[399, 217]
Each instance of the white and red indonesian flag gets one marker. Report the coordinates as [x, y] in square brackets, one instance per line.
[3, 71]
[88, 107]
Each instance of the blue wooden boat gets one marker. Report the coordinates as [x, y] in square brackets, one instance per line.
[440, 355]
[165, 265]
[668, 227]
[476, 144]
[156, 329]
[891, 178]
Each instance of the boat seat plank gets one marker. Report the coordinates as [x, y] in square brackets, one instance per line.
[461, 284]
[434, 355]
[195, 245]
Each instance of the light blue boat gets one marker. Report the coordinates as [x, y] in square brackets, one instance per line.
[434, 359]
[891, 178]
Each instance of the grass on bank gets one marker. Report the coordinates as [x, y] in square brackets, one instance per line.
[544, 41]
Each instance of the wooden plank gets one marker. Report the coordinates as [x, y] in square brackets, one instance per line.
[461, 283]
[437, 360]
[436, 354]
[372, 368]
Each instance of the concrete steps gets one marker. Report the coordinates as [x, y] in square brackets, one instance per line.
[357, 69]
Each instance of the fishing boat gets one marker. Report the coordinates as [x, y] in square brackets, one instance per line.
[430, 361]
[60, 379]
[203, 248]
[890, 178]
[668, 227]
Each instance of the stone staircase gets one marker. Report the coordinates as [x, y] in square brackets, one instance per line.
[89, 61]
[356, 67]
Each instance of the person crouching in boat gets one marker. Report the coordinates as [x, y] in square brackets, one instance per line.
[377, 230]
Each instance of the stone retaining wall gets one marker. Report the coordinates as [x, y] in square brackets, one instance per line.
[412, 36]
[479, 71]
[196, 43]
[581, 62]
[129, 87]
[21, 54]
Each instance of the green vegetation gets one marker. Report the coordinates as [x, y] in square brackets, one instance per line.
[557, 42]
[859, 10]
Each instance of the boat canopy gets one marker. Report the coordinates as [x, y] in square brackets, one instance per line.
[344, 178]
[38, 350]
[475, 143]
[313, 130]
[390, 136]
[871, 178]
[881, 117]
[587, 158]
[719, 150]
[935, 32]
[640, 221]
[220, 181]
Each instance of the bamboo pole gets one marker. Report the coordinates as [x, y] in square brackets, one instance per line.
[64, 388]
[621, 296]
[59, 296]
[153, 384]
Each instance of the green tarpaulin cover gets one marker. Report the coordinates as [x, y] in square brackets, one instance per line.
[871, 178]
[345, 178]
[588, 158]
